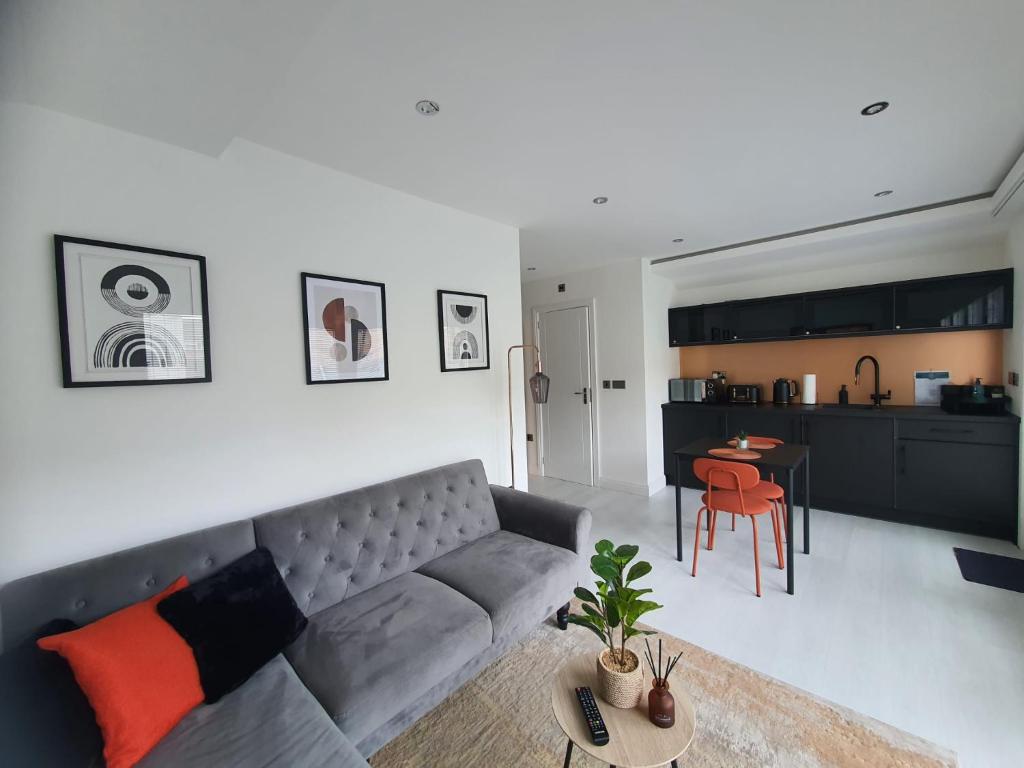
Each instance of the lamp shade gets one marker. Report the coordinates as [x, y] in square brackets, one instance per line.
[539, 385]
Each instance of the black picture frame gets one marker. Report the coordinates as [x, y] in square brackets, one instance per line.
[442, 344]
[304, 278]
[71, 378]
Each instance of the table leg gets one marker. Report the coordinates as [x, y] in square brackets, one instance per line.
[679, 516]
[790, 581]
[568, 754]
[807, 505]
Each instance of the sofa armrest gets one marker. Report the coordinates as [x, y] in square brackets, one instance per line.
[547, 520]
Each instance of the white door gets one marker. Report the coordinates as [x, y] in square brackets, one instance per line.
[566, 419]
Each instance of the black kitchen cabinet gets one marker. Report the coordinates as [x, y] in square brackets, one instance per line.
[699, 325]
[954, 302]
[849, 311]
[768, 319]
[965, 486]
[910, 465]
[763, 422]
[682, 424]
[851, 462]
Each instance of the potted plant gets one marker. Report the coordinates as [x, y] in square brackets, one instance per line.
[611, 614]
[741, 440]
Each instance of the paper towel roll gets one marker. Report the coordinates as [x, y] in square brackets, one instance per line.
[809, 394]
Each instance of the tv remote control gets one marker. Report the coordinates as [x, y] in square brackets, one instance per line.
[598, 731]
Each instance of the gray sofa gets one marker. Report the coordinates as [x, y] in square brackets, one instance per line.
[411, 587]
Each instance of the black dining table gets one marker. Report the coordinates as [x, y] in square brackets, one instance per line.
[782, 460]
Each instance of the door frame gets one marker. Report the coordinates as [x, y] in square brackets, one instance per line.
[590, 305]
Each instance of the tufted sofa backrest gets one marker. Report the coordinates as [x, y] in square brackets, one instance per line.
[339, 546]
[89, 590]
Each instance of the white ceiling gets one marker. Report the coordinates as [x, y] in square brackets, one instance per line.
[716, 121]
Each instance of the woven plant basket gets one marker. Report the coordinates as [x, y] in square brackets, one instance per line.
[620, 689]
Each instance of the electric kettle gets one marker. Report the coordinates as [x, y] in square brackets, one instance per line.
[783, 390]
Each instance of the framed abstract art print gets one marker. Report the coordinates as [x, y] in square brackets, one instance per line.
[130, 315]
[345, 329]
[463, 331]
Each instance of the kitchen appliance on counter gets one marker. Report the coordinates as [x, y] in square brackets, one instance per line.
[974, 399]
[687, 390]
[744, 394]
[784, 390]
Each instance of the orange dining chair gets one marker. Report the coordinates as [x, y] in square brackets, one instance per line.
[730, 488]
[769, 489]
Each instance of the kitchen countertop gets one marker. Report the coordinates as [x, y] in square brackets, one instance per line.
[886, 411]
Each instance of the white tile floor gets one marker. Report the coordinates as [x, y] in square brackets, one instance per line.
[881, 620]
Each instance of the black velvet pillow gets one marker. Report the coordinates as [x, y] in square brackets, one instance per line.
[45, 719]
[236, 621]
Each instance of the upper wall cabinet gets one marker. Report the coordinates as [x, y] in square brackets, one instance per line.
[957, 302]
[954, 302]
[850, 311]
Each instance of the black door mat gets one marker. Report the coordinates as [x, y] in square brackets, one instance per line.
[992, 570]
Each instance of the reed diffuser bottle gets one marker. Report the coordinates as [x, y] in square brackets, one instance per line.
[661, 705]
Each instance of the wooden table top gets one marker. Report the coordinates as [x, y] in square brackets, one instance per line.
[634, 742]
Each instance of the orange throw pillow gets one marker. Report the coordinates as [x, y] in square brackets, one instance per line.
[138, 673]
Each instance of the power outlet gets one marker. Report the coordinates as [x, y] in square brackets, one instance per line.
[618, 384]
[1013, 378]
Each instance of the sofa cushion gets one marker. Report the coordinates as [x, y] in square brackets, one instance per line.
[235, 621]
[368, 657]
[519, 581]
[138, 673]
[334, 548]
[272, 721]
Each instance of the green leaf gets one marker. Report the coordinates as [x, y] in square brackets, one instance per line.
[638, 571]
[613, 615]
[585, 595]
[604, 547]
[627, 551]
[603, 567]
[592, 611]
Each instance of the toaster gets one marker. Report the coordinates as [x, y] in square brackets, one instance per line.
[749, 394]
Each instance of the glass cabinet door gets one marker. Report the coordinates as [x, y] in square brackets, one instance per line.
[770, 319]
[850, 311]
[953, 302]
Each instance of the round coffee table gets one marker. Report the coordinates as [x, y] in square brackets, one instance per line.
[633, 741]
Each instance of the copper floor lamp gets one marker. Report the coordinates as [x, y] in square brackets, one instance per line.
[539, 385]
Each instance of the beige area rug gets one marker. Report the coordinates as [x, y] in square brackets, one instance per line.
[744, 719]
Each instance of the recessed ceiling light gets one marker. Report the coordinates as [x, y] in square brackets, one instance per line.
[427, 108]
[883, 193]
[678, 240]
[600, 200]
[874, 109]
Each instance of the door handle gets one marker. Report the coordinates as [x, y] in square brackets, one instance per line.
[903, 459]
[584, 393]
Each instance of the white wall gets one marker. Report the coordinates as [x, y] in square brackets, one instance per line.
[661, 363]
[1013, 345]
[88, 471]
[617, 291]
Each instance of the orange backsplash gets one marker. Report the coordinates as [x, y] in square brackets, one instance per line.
[965, 354]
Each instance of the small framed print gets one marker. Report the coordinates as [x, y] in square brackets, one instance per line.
[130, 315]
[463, 331]
[345, 329]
